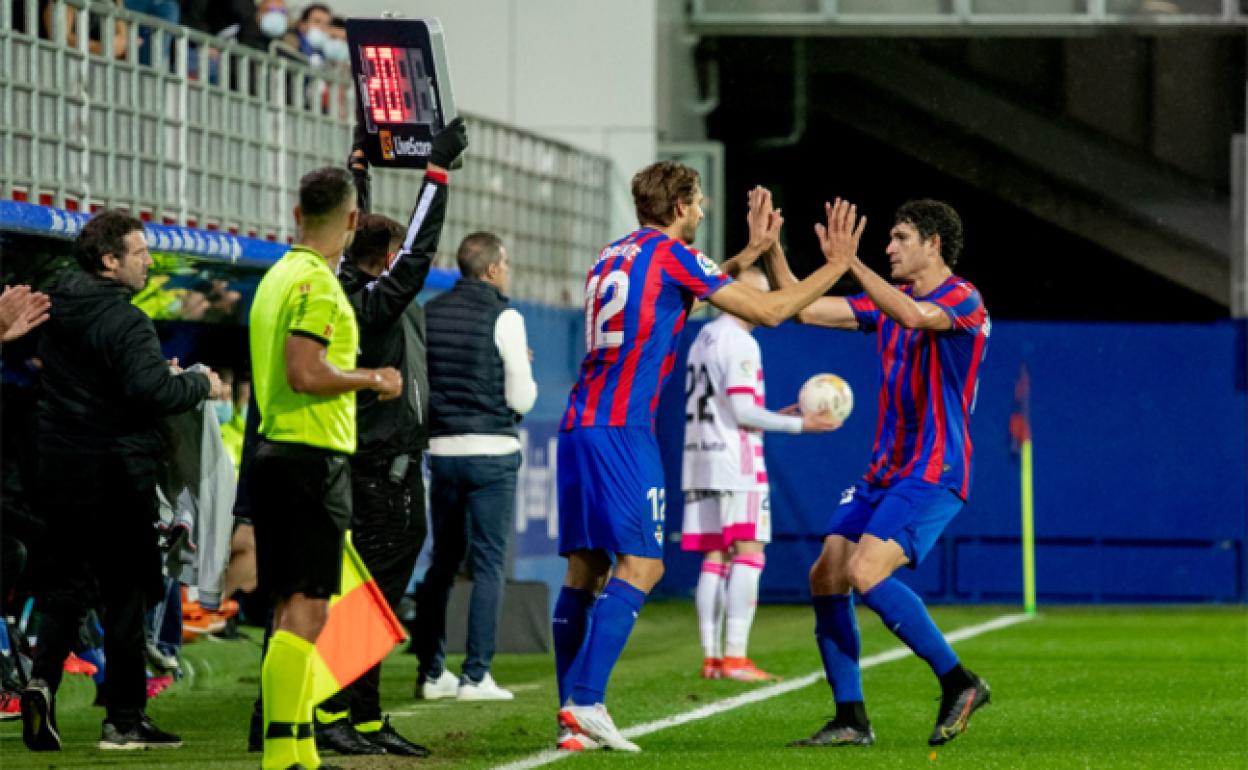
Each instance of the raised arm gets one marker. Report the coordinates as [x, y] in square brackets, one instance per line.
[357, 164]
[832, 312]
[839, 241]
[381, 303]
[764, 225]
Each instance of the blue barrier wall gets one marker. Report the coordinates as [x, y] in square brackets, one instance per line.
[1141, 449]
[1140, 457]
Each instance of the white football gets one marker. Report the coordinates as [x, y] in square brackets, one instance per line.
[827, 395]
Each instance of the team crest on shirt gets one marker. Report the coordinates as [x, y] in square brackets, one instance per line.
[658, 534]
[304, 288]
[747, 368]
[708, 267]
[329, 331]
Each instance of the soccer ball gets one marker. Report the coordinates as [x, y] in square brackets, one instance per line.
[828, 396]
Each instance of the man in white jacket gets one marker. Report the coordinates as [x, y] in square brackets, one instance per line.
[480, 386]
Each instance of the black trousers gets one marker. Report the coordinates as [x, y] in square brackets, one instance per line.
[388, 529]
[100, 551]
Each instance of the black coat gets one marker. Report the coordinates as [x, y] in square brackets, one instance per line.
[106, 384]
[392, 333]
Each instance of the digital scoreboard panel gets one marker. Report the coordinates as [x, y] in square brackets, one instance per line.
[403, 87]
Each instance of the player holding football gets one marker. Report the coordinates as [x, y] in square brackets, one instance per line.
[611, 492]
[727, 498]
[931, 332]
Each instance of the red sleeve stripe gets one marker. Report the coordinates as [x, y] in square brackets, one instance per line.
[740, 389]
[954, 296]
[441, 177]
[936, 388]
[922, 405]
[669, 363]
[595, 383]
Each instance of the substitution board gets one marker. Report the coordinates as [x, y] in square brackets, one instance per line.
[403, 87]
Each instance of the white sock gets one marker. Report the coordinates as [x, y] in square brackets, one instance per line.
[742, 600]
[709, 599]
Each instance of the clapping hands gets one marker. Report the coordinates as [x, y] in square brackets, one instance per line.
[21, 310]
[838, 240]
[764, 221]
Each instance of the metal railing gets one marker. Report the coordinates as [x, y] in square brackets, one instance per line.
[942, 17]
[197, 131]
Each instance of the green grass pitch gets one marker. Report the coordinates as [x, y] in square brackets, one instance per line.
[1093, 687]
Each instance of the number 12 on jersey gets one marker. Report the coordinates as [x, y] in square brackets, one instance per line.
[658, 511]
[614, 283]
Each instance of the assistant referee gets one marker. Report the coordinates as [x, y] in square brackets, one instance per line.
[304, 340]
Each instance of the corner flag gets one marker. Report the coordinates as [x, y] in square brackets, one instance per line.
[1020, 435]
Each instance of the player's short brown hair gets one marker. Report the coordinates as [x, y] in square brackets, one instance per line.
[657, 189]
[932, 217]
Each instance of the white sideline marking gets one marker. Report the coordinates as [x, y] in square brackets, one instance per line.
[765, 693]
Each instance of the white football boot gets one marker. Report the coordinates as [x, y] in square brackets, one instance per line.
[595, 723]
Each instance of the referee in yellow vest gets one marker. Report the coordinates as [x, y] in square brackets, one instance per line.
[304, 340]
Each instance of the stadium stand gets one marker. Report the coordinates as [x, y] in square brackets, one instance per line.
[89, 128]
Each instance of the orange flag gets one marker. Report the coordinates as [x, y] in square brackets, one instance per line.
[360, 631]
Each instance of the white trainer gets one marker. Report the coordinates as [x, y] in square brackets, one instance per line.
[570, 740]
[595, 723]
[486, 689]
[445, 686]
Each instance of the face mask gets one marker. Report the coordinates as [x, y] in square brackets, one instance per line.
[225, 411]
[315, 37]
[337, 50]
[273, 24]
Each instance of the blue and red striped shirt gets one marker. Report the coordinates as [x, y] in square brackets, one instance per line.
[928, 383]
[637, 296]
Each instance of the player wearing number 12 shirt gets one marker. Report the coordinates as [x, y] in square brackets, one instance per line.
[611, 494]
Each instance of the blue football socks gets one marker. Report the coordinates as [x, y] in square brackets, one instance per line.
[836, 631]
[904, 614]
[568, 626]
[612, 621]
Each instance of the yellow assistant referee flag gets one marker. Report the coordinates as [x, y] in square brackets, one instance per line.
[360, 631]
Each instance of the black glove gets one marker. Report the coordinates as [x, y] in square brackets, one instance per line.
[449, 143]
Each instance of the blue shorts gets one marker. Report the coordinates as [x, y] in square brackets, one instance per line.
[611, 492]
[911, 512]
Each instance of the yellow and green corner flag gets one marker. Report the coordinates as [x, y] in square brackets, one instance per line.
[1020, 434]
[360, 631]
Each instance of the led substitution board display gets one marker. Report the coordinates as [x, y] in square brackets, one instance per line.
[403, 87]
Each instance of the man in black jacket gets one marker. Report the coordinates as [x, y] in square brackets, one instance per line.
[384, 271]
[106, 388]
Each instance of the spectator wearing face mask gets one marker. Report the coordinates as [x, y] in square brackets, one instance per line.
[311, 32]
[272, 19]
[232, 414]
[337, 52]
